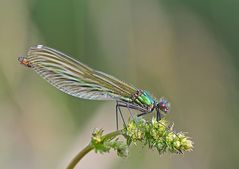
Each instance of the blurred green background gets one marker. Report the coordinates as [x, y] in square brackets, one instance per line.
[184, 50]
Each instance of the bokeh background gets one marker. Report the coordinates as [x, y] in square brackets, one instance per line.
[184, 50]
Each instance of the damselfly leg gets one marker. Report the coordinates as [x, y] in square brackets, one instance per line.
[158, 118]
[130, 107]
[118, 110]
[158, 115]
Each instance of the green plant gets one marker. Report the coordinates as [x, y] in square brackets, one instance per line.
[155, 135]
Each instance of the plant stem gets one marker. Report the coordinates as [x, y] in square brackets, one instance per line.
[79, 156]
[89, 147]
[112, 134]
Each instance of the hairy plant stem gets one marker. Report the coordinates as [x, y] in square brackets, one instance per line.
[88, 148]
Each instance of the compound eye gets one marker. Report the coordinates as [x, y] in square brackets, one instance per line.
[164, 105]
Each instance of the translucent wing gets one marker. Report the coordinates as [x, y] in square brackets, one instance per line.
[75, 78]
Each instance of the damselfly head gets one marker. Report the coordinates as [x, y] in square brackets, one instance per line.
[163, 105]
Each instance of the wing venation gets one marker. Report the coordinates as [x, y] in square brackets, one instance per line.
[76, 78]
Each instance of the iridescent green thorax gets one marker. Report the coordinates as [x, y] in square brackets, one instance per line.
[143, 99]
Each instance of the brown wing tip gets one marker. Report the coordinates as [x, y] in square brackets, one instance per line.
[24, 61]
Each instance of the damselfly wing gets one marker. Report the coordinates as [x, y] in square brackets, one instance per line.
[79, 80]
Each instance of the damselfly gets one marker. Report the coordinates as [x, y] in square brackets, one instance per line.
[79, 80]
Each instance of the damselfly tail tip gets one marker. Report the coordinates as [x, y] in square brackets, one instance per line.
[24, 61]
[20, 59]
